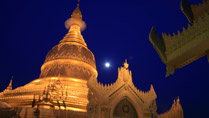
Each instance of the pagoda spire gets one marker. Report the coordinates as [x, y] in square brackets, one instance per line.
[77, 12]
[75, 24]
[9, 87]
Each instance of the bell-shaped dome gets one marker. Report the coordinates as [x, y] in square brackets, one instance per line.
[70, 51]
[71, 57]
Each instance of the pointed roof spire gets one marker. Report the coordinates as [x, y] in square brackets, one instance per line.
[178, 100]
[125, 64]
[152, 91]
[10, 84]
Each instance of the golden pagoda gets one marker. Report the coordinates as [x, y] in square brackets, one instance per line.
[63, 78]
[179, 50]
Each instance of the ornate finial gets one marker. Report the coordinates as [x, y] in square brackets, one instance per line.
[125, 64]
[77, 13]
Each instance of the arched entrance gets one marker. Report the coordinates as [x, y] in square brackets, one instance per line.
[124, 109]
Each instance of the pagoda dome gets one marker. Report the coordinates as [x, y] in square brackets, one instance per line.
[71, 57]
[70, 51]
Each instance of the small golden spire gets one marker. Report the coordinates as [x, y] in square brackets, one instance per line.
[178, 100]
[9, 87]
[125, 64]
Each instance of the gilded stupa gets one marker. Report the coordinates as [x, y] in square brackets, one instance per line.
[63, 77]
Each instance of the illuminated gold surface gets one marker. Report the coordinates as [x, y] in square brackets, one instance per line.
[64, 75]
[62, 86]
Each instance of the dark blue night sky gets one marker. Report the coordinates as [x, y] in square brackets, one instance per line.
[116, 30]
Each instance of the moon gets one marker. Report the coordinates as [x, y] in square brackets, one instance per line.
[107, 64]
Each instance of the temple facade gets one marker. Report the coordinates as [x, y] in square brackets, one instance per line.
[68, 88]
[179, 50]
